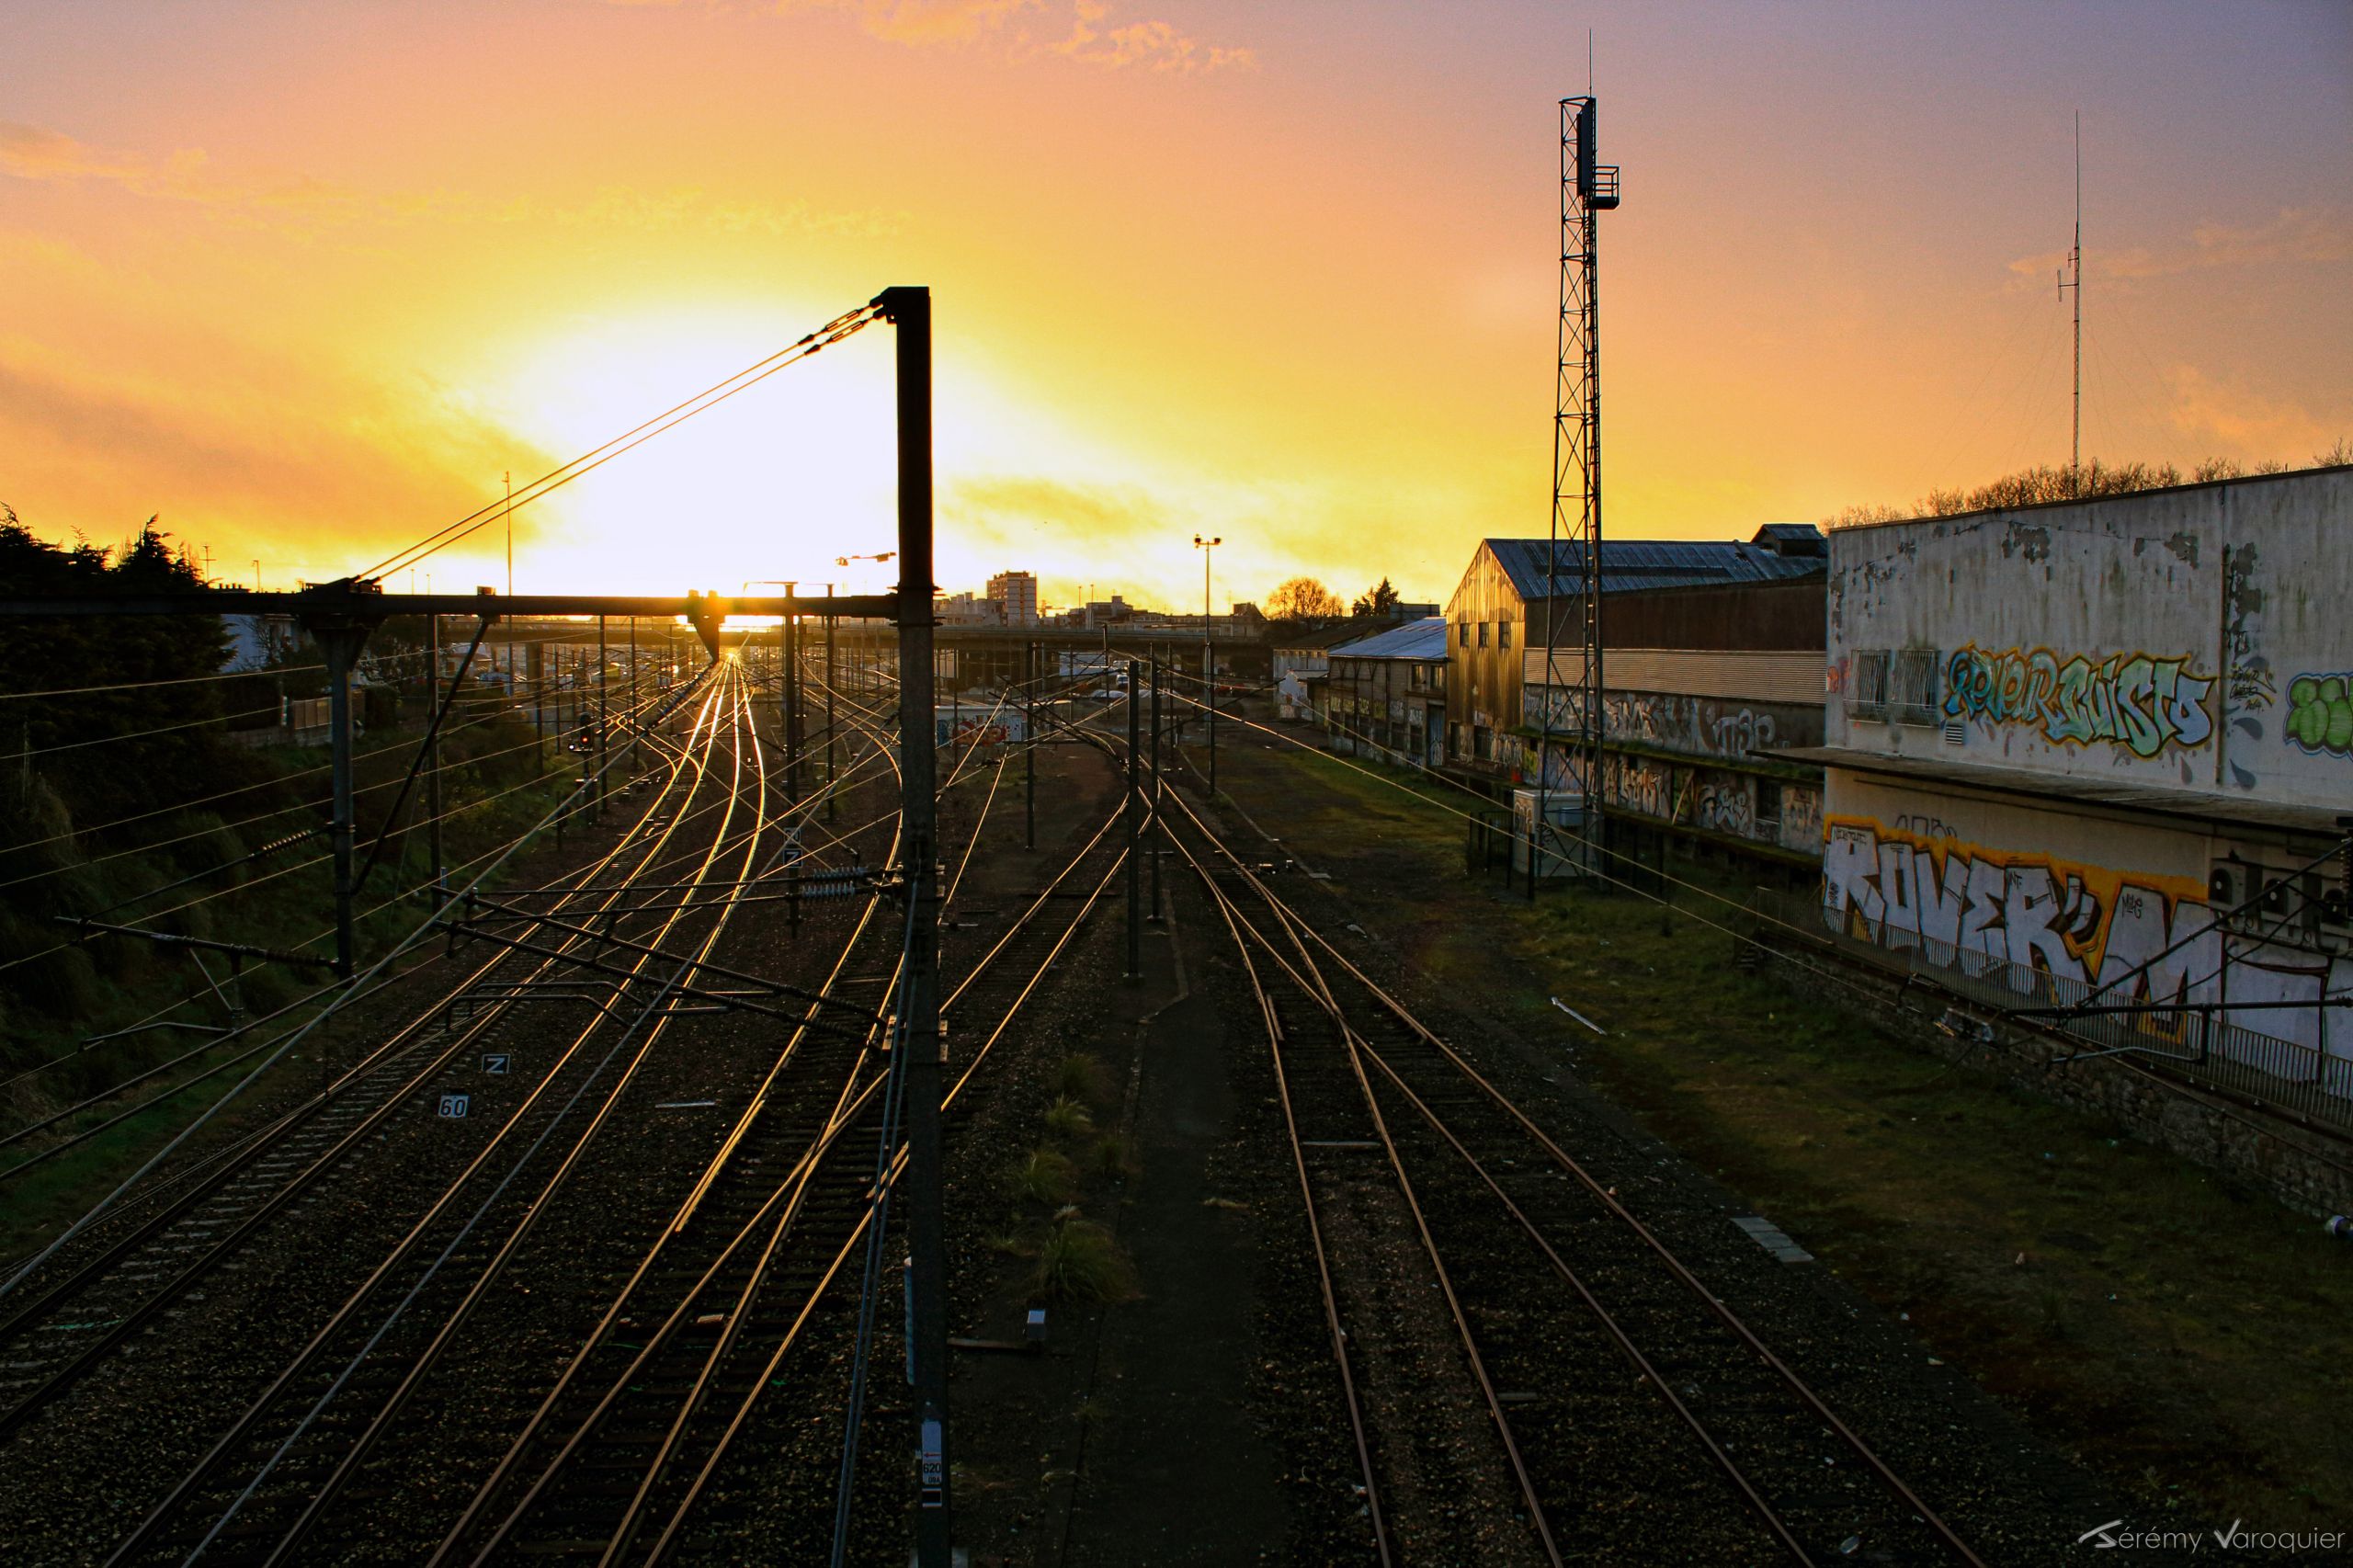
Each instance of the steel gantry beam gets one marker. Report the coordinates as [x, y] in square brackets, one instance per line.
[349, 597]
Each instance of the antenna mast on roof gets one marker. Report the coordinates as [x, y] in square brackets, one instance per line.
[2074, 278]
[1587, 187]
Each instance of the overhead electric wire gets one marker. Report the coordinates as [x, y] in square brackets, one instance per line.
[144, 685]
[833, 332]
[207, 800]
[351, 988]
[1761, 916]
[142, 735]
[539, 778]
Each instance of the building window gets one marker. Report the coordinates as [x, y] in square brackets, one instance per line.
[1465, 637]
[1768, 808]
[1912, 686]
[1482, 743]
[1870, 698]
[1482, 634]
[1502, 634]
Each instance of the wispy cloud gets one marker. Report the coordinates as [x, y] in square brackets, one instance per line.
[389, 464]
[1157, 45]
[1093, 36]
[34, 152]
[2296, 234]
[2218, 413]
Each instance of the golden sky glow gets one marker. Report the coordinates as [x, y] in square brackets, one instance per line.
[306, 278]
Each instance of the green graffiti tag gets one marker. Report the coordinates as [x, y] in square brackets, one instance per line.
[2128, 700]
[2320, 714]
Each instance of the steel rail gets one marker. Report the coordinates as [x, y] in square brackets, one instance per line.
[788, 1192]
[1302, 933]
[430, 1356]
[792, 1192]
[145, 1531]
[486, 1492]
[218, 1252]
[1333, 1324]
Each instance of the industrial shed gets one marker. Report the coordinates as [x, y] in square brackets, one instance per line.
[1385, 695]
[1520, 593]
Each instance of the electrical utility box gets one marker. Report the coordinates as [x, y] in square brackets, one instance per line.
[1560, 845]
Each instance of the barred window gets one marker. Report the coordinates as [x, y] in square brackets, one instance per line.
[1868, 700]
[1502, 634]
[1912, 686]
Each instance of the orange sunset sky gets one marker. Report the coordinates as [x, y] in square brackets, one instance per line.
[307, 278]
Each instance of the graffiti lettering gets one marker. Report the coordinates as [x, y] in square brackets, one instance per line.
[2320, 714]
[2128, 700]
[1976, 909]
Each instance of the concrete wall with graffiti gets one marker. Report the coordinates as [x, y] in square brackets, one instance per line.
[1724, 727]
[2023, 896]
[2194, 638]
[1721, 801]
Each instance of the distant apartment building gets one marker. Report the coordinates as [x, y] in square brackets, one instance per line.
[2104, 750]
[1015, 595]
[969, 610]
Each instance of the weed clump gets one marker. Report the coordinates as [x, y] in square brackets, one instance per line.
[1046, 1175]
[1068, 1118]
[1113, 1160]
[1081, 1077]
[1080, 1262]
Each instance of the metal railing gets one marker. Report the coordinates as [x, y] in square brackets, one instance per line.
[2198, 1039]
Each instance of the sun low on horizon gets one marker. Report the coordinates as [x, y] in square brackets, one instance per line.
[310, 283]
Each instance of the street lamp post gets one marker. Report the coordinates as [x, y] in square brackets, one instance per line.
[1208, 547]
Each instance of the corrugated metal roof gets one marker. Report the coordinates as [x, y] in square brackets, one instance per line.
[1631, 563]
[1423, 639]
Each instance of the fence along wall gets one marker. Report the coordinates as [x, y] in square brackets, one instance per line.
[2024, 905]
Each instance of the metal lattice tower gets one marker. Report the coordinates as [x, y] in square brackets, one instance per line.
[1587, 188]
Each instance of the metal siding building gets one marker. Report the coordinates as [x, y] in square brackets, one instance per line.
[2061, 739]
[1385, 695]
[1509, 602]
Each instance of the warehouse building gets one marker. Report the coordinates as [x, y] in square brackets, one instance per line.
[1713, 649]
[1384, 696]
[1509, 602]
[2102, 750]
[1698, 683]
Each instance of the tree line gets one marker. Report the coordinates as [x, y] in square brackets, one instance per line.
[1306, 598]
[2045, 481]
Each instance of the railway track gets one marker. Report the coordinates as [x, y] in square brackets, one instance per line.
[373, 1348]
[628, 1462]
[1631, 1412]
[91, 1300]
[399, 1358]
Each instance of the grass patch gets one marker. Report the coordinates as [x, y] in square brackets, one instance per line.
[1079, 1261]
[1068, 1118]
[1045, 1175]
[1082, 1077]
[2174, 1331]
